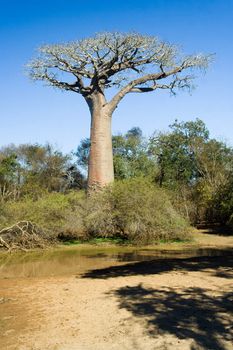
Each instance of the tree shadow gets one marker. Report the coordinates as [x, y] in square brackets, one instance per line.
[216, 229]
[220, 266]
[191, 313]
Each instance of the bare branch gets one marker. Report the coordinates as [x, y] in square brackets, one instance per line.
[132, 62]
[132, 86]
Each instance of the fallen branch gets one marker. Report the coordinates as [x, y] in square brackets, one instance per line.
[23, 235]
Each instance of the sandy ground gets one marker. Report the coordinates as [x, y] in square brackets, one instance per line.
[173, 304]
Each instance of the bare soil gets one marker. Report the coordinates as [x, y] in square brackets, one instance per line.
[181, 304]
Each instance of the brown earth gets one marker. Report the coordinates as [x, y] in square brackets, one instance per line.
[183, 304]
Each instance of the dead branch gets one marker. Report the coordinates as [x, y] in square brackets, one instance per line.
[23, 235]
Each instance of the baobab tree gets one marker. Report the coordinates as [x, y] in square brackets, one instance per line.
[127, 63]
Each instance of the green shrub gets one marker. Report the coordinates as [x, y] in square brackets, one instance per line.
[135, 209]
[49, 212]
[98, 215]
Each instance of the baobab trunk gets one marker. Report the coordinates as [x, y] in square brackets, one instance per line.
[100, 169]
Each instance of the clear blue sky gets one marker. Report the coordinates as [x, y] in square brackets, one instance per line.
[30, 112]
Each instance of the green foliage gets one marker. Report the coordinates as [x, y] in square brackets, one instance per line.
[222, 202]
[35, 169]
[215, 185]
[8, 175]
[176, 152]
[135, 209]
[43, 166]
[50, 211]
[195, 168]
[108, 240]
[82, 153]
[183, 171]
[130, 155]
[8, 165]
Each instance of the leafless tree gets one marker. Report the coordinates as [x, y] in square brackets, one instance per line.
[128, 63]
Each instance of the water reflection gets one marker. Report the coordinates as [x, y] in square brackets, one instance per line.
[168, 254]
[77, 261]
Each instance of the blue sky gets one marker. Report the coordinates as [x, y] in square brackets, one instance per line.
[31, 112]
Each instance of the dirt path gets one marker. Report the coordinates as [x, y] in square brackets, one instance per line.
[172, 304]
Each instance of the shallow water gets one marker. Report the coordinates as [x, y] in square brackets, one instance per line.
[78, 260]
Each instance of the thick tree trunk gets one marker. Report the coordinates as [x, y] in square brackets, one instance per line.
[100, 169]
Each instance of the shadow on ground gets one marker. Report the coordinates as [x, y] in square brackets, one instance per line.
[220, 266]
[191, 313]
[198, 315]
[216, 229]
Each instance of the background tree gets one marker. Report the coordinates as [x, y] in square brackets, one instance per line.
[214, 189]
[129, 62]
[176, 152]
[43, 165]
[34, 169]
[8, 176]
[83, 152]
[196, 169]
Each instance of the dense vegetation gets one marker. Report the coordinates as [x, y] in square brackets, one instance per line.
[196, 170]
[162, 185]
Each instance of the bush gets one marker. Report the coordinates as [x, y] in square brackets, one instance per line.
[135, 209]
[49, 212]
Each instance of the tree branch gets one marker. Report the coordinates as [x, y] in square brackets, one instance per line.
[132, 86]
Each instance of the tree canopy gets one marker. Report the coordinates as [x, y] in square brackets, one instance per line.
[131, 62]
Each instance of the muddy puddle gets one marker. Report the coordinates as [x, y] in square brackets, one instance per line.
[78, 260]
